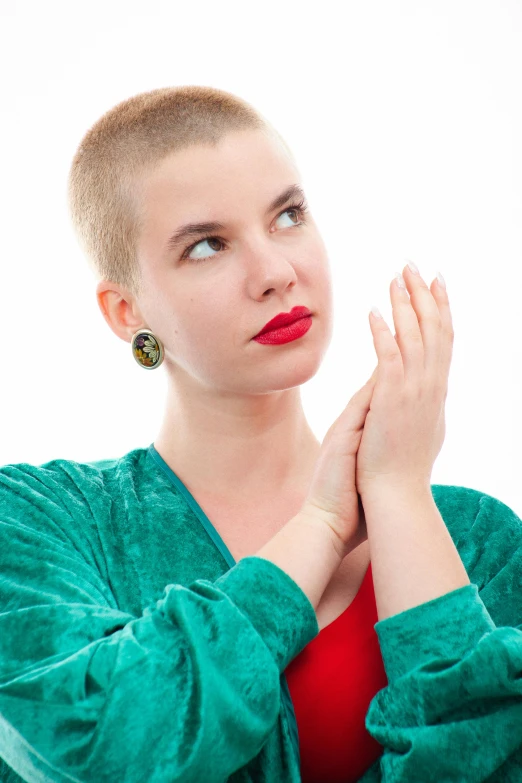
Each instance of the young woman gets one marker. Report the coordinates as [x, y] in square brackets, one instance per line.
[238, 601]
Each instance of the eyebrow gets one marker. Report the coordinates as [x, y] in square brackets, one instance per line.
[190, 230]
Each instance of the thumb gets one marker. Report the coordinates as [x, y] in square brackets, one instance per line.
[354, 415]
[373, 376]
[365, 393]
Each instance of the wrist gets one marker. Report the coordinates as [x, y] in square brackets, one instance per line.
[382, 492]
[324, 522]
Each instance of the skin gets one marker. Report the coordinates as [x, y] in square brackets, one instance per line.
[234, 424]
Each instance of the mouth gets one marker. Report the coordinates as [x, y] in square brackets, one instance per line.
[284, 319]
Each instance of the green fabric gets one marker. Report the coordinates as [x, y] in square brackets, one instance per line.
[133, 648]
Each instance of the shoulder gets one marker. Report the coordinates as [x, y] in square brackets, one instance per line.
[488, 536]
[62, 497]
[67, 477]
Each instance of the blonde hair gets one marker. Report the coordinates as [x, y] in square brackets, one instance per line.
[127, 140]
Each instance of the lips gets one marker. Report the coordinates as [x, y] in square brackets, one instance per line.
[283, 319]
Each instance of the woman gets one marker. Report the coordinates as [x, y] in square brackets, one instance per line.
[156, 607]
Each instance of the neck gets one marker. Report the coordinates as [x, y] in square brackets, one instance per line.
[260, 447]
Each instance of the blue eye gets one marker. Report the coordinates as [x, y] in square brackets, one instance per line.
[300, 209]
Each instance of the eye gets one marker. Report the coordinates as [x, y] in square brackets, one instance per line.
[290, 209]
[207, 241]
[299, 209]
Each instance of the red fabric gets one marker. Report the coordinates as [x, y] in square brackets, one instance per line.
[332, 682]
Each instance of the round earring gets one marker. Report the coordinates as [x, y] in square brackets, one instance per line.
[147, 349]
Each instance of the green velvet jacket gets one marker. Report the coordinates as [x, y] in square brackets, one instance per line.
[134, 649]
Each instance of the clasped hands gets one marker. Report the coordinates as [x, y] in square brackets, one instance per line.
[386, 440]
[405, 425]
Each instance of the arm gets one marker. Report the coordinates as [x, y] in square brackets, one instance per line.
[452, 709]
[414, 559]
[188, 691]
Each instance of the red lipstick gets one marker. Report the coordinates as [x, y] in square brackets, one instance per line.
[285, 327]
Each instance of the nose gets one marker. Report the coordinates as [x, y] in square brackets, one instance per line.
[270, 270]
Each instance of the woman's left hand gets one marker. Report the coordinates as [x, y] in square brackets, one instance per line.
[405, 425]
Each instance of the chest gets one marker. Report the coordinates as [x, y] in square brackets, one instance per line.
[245, 530]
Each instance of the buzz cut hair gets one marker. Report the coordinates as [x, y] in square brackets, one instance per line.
[128, 141]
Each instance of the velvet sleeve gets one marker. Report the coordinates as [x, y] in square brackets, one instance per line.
[188, 691]
[452, 709]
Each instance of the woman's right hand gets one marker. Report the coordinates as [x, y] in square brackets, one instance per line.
[333, 497]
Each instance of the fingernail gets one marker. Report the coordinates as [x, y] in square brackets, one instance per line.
[441, 280]
[376, 312]
[400, 281]
[413, 268]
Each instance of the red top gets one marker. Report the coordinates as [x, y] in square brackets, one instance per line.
[332, 682]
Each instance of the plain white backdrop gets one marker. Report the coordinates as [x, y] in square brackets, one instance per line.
[406, 122]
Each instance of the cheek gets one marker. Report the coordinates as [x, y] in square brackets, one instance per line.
[204, 331]
[315, 257]
[319, 276]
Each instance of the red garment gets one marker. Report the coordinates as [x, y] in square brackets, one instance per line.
[332, 682]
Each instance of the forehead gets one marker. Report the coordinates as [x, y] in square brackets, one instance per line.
[253, 162]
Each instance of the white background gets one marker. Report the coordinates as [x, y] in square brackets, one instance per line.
[406, 122]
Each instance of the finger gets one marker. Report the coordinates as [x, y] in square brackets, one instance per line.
[429, 319]
[408, 333]
[440, 295]
[387, 350]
